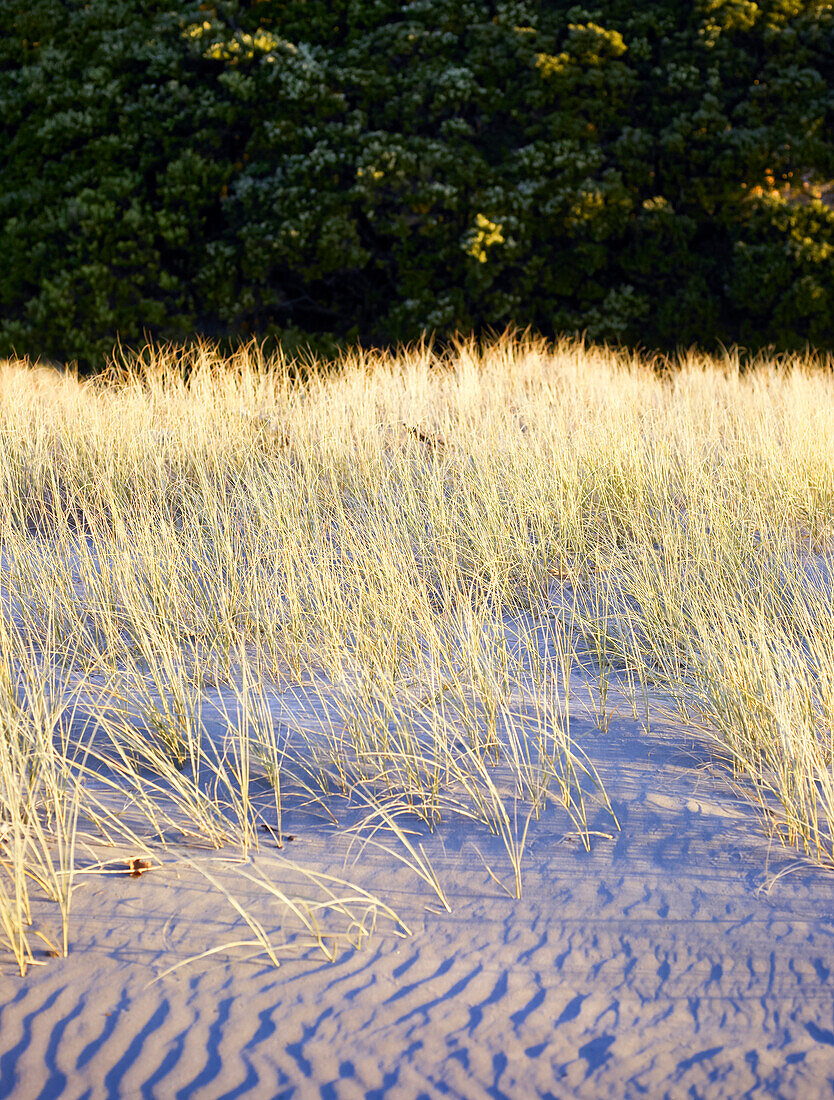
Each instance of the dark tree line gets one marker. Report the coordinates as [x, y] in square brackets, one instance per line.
[379, 168]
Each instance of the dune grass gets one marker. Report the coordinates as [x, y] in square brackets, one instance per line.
[385, 584]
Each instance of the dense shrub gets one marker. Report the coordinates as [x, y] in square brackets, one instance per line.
[376, 168]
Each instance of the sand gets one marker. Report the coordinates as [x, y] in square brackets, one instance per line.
[688, 956]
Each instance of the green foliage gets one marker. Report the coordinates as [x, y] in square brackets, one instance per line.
[376, 168]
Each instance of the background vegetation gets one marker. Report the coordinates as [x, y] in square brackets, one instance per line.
[374, 168]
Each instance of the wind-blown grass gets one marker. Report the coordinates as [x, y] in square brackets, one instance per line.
[380, 584]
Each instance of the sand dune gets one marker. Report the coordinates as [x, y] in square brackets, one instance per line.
[684, 957]
[448, 591]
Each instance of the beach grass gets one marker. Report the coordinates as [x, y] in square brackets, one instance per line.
[385, 585]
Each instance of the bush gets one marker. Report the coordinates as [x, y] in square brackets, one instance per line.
[374, 169]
